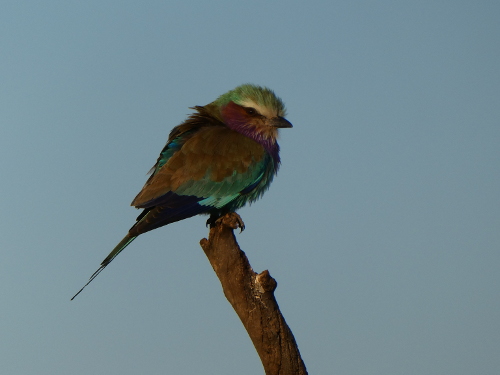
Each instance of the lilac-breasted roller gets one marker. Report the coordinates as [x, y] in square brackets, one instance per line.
[223, 156]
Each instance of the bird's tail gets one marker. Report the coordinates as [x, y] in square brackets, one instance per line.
[112, 255]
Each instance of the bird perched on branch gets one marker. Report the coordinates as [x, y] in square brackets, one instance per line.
[222, 157]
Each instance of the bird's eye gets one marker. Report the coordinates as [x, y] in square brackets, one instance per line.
[251, 111]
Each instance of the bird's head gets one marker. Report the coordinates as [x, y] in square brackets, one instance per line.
[254, 111]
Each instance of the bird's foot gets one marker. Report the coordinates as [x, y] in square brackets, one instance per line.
[212, 220]
[230, 219]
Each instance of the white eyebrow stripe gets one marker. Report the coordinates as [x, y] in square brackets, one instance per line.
[265, 111]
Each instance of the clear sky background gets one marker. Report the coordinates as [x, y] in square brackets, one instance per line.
[382, 227]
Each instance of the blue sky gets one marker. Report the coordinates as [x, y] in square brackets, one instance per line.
[382, 227]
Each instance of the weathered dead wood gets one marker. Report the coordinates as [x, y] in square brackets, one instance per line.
[252, 297]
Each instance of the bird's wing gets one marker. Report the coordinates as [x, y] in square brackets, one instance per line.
[213, 163]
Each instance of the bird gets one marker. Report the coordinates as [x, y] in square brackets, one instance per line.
[223, 156]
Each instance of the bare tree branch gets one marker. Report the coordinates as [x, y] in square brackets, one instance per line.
[252, 297]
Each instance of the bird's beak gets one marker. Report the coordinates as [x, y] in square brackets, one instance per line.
[280, 122]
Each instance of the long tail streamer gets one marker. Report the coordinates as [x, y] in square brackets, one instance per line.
[117, 250]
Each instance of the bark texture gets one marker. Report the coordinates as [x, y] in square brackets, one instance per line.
[252, 297]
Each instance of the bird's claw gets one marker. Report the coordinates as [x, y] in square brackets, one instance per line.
[212, 221]
[231, 219]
